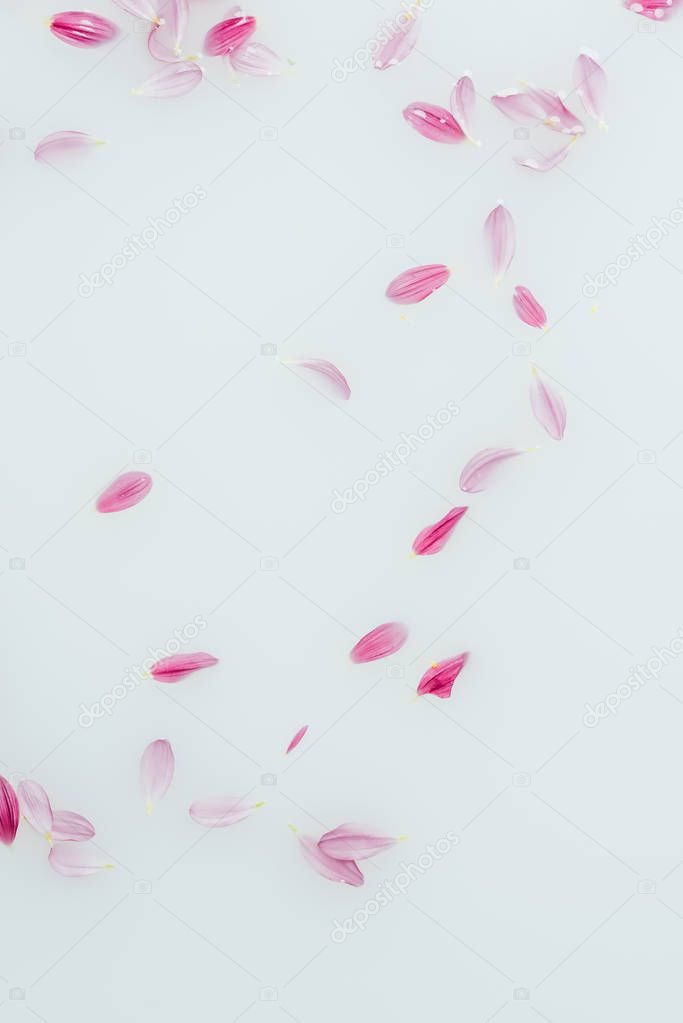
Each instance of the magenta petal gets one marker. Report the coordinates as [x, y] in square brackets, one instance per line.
[590, 81]
[81, 28]
[257, 60]
[474, 477]
[227, 36]
[539, 162]
[463, 99]
[529, 310]
[398, 46]
[221, 813]
[438, 681]
[9, 812]
[71, 827]
[177, 666]
[173, 80]
[126, 491]
[64, 141]
[146, 10]
[348, 842]
[35, 807]
[433, 539]
[434, 123]
[381, 642]
[329, 371]
[344, 871]
[499, 231]
[417, 284]
[77, 859]
[157, 766]
[297, 739]
[548, 407]
[654, 9]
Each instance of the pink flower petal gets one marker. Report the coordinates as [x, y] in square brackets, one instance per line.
[60, 142]
[81, 28]
[434, 123]
[71, 827]
[344, 871]
[221, 813]
[125, 491]
[556, 115]
[173, 80]
[156, 771]
[9, 812]
[519, 107]
[438, 681]
[529, 310]
[499, 231]
[433, 539]
[165, 40]
[35, 807]
[463, 98]
[548, 407]
[348, 842]
[590, 81]
[417, 284]
[474, 477]
[177, 666]
[144, 9]
[327, 370]
[258, 60]
[227, 36]
[539, 162]
[76, 859]
[656, 10]
[399, 45]
[297, 739]
[381, 642]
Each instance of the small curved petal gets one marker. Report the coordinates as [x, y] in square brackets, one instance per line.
[499, 231]
[157, 766]
[165, 40]
[146, 10]
[81, 28]
[475, 476]
[539, 162]
[71, 827]
[398, 46]
[548, 407]
[297, 739]
[177, 666]
[381, 642]
[35, 807]
[344, 871]
[126, 490]
[529, 310]
[59, 142]
[75, 859]
[433, 539]
[434, 123]
[221, 813]
[438, 681]
[555, 114]
[348, 842]
[329, 371]
[519, 106]
[227, 36]
[590, 81]
[9, 812]
[417, 284]
[173, 80]
[257, 60]
[463, 99]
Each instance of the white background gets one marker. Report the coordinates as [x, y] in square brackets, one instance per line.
[301, 230]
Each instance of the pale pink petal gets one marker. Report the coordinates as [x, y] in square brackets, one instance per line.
[60, 142]
[126, 490]
[499, 231]
[221, 813]
[417, 284]
[475, 476]
[539, 162]
[156, 771]
[463, 99]
[348, 842]
[297, 739]
[529, 310]
[399, 45]
[71, 827]
[548, 407]
[81, 28]
[258, 60]
[381, 642]
[9, 812]
[177, 666]
[556, 115]
[344, 871]
[434, 123]
[433, 539]
[327, 370]
[438, 681]
[590, 81]
[519, 106]
[227, 36]
[165, 41]
[147, 10]
[77, 859]
[173, 80]
[35, 807]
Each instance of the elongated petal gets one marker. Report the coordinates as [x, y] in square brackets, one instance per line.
[344, 871]
[146, 10]
[227, 36]
[349, 842]
[499, 231]
[329, 371]
[590, 81]
[77, 859]
[156, 771]
[221, 813]
[381, 642]
[9, 812]
[475, 476]
[438, 681]
[35, 807]
[539, 162]
[60, 142]
[81, 28]
[399, 45]
[126, 491]
[257, 60]
[463, 99]
[417, 284]
[433, 539]
[520, 107]
[548, 407]
[71, 827]
[656, 10]
[556, 115]
[177, 666]
[435, 123]
[297, 739]
[165, 41]
[527, 307]
[173, 80]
